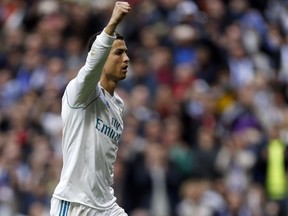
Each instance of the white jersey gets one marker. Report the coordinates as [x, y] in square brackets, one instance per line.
[92, 127]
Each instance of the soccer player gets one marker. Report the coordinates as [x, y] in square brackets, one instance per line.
[92, 117]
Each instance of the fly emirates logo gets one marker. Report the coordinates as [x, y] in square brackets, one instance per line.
[107, 130]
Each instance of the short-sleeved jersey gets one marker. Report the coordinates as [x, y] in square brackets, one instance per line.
[92, 126]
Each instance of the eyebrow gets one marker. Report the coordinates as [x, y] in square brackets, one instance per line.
[121, 49]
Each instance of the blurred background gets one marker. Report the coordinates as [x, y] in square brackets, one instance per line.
[206, 118]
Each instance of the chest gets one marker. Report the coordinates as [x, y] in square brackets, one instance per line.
[105, 116]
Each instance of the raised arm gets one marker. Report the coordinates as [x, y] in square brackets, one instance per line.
[82, 90]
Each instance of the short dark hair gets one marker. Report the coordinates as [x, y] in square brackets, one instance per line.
[93, 38]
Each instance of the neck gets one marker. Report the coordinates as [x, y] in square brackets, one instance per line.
[108, 85]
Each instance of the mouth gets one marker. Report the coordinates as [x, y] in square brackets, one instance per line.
[125, 68]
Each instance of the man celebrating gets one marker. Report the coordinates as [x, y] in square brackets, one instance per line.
[92, 117]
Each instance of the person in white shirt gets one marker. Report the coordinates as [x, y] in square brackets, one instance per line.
[92, 126]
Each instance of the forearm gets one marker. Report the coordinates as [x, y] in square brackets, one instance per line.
[110, 28]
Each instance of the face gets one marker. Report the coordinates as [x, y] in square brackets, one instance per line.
[116, 65]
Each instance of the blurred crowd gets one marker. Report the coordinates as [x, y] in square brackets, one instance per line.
[206, 117]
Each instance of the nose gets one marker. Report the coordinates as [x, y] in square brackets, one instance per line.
[126, 57]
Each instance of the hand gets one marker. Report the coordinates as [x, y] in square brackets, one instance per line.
[121, 8]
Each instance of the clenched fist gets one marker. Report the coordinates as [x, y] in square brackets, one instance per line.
[121, 8]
